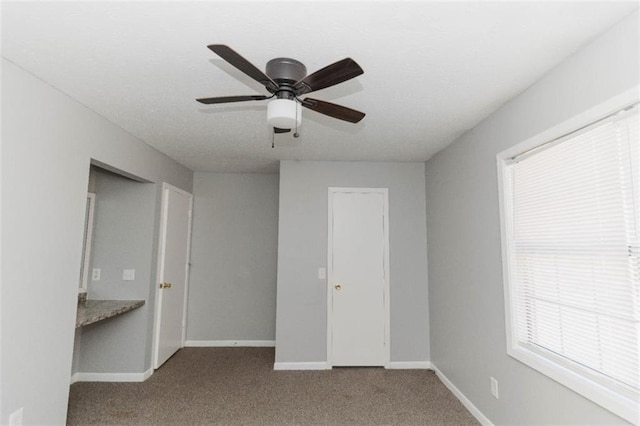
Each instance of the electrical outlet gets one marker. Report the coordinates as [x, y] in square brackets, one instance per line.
[15, 419]
[494, 388]
[95, 274]
[128, 274]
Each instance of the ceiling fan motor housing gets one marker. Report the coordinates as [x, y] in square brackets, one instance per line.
[286, 71]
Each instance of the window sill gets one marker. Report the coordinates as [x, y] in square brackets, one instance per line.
[618, 402]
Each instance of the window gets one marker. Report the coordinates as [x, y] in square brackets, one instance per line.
[571, 246]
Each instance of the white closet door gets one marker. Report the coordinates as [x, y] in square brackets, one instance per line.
[358, 246]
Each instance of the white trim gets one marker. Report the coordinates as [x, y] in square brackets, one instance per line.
[617, 403]
[475, 412]
[408, 365]
[160, 270]
[230, 343]
[87, 243]
[159, 273]
[387, 280]
[111, 377]
[597, 112]
[301, 366]
[187, 266]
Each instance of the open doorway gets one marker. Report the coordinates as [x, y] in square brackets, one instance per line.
[118, 266]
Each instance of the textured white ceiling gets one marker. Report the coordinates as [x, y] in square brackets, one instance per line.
[432, 69]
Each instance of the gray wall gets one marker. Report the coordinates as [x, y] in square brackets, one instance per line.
[46, 150]
[234, 249]
[465, 265]
[301, 319]
[122, 239]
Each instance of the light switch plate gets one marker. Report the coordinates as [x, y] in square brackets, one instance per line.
[15, 419]
[494, 388]
[128, 274]
[322, 273]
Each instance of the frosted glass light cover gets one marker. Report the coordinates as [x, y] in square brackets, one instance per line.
[284, 113]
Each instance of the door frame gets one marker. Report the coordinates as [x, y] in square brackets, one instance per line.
[160, 270]
[88, 241]
[385, 286]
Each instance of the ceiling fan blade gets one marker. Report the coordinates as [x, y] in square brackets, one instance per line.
[227, 99]
[279, 130]
[332, 110]
[231, 56]
[330, 75]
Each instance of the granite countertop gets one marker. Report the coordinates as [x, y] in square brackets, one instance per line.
[91, 311]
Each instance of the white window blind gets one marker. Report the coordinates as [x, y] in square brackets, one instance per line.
[573, 216]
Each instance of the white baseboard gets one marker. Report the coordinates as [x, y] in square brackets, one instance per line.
[111, 377]
[465, 401]
[230, 343]
[409, 365]
[322, 365]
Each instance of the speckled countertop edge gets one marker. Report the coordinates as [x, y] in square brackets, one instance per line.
[92, 311]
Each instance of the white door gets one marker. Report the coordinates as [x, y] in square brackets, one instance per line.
[173, 273]
[358, 277]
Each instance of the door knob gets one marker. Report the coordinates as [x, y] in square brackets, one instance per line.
[165, 285]
[337, 286]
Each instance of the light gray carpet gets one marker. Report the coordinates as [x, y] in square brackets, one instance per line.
[233, 386]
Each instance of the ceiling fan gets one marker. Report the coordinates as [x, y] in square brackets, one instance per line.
[286, 80]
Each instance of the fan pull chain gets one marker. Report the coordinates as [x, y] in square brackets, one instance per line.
[296, 134]
[273, 139]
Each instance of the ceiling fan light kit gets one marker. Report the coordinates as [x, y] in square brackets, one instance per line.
[284, 113]
[286, 79]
